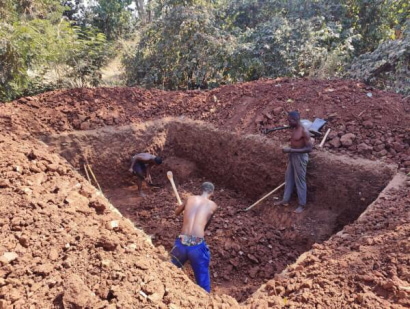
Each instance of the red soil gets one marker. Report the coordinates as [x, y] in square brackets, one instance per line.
[377, 124]
[58, 248]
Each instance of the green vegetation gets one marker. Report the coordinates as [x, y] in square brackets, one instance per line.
[201, 44]
[40, 49]
[185, 49]
[190, 44]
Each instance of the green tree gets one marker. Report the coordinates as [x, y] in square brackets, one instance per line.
[185, 49]
[387, 67]
[6, 11]
[113, 18]
[90, 53]
[28, 44]
[35, 38]
[281, 47]
[376, 21]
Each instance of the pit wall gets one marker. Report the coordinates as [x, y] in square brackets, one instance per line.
[108, 150]
[250, 164]
[254, 165]
[356, 239]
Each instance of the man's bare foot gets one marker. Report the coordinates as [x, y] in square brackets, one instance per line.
[299, 209]
[281, 203]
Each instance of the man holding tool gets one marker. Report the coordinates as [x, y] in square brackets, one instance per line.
[190, 244]
[301, 145]
[141, 165]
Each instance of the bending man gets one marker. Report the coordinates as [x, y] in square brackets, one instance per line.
[141, 166]
[190, 244]
[301, 145]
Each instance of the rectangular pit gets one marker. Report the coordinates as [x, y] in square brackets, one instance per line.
[247, 248]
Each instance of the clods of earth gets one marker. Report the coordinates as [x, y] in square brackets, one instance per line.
[64, 245]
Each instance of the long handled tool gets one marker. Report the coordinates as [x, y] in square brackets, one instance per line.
[267, 195]
[171, 179]
[95, 178]
[267, 131]
[316, 126]
[89, 171]
[324, 138]
[86, 172]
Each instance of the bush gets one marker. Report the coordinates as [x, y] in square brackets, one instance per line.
[387, 67]
[186, 49]
[281, 47]
[89, 54]
[31, 47]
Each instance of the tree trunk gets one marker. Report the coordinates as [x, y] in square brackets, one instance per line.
[141, 10]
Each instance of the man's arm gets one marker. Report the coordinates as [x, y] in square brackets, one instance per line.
[214, 208]
[180, 209]
[134, 158]
[148, 176]
[305, 149]
[209, 222]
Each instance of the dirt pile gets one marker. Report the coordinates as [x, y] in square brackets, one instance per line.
[364, 121]
[247, 248]
[62, 246]
[367, 265]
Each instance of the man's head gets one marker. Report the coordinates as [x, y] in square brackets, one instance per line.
[158, 160]
[208, 187]
[293, 118]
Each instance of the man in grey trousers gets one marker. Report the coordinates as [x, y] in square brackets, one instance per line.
[300, 146]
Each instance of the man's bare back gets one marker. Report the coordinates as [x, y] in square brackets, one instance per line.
[190, 244]
[197, 213]
[141, 165]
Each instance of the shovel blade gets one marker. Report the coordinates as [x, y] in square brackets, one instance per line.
[317, 125]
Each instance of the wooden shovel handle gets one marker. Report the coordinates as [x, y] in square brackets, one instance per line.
[171, 179]
[260, 200]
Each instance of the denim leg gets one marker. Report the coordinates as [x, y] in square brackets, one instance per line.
[289, 180]
[200, 258]
[179, 254]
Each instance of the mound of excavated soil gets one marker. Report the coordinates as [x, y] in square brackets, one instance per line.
[364, 120]
[247, 248]
[367, 265]
[64, 246]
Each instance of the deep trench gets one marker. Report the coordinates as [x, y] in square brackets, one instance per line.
[248, 248]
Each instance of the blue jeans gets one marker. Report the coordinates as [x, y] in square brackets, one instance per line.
[199, 256]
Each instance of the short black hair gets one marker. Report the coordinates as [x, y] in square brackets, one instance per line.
[294, 114]
[208, 187]
[158, 160]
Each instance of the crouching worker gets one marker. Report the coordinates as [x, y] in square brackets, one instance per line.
[190, 244]
[141, 165]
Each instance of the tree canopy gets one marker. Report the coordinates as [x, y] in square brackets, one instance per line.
[190, 44]
[196, 43]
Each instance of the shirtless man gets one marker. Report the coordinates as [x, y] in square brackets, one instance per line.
[190, 244]
[141, 165]
[301, 145]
